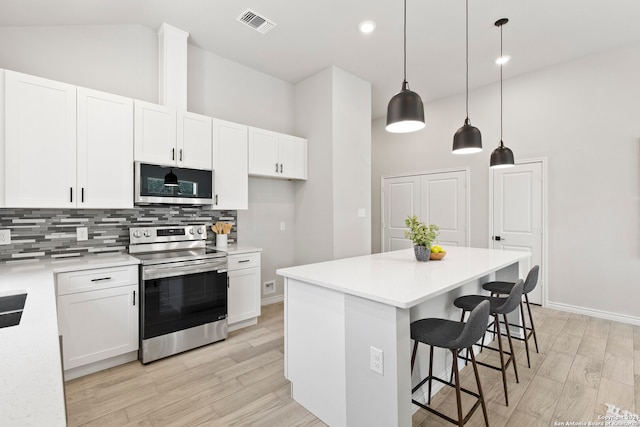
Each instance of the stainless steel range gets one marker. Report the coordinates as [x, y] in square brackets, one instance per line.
[183, 288]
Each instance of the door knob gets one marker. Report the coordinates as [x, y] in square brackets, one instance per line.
[498, 238]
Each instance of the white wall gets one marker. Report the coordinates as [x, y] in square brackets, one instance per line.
[123, 59]
[333, 110]
[583, 116]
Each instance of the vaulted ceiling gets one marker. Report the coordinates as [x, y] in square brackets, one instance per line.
[311, 35]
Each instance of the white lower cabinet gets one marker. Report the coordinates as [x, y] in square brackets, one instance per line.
[244, 290]
[98, 318]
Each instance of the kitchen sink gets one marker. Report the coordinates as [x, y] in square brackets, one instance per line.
[11, 307]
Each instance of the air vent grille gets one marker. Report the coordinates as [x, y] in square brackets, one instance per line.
[253, 19]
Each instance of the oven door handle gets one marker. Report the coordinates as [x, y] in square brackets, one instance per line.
[150, 273]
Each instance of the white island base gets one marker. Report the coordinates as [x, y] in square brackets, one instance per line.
[339, 313]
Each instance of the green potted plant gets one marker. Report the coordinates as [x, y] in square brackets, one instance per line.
[422, 236]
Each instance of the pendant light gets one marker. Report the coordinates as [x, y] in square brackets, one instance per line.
[467, 139]
[405, 112]
[502, 157]
[170, 179]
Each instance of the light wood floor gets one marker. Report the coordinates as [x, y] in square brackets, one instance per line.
[583, 363]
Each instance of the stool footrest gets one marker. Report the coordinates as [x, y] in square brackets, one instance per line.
[440, 414]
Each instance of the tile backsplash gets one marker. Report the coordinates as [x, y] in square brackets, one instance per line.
[51, 233]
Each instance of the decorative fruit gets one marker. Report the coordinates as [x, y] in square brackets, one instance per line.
[437, 249]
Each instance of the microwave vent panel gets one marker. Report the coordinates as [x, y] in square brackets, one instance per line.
[254, 20]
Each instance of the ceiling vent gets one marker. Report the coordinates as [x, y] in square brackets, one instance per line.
[254, 20]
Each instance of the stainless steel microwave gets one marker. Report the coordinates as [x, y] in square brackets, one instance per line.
[163, 184]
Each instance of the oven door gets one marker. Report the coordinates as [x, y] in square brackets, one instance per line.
[181, 295]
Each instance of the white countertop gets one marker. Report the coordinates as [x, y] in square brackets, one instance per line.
[31, 384]
[397, 279]
[237, 249]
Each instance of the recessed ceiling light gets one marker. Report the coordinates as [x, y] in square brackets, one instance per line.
[503, 59]
[367, 26]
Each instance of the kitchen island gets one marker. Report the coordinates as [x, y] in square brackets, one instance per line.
[347, 340]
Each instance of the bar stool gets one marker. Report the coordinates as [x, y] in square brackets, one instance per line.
[498, 288]
[454, 336]
[497, 307]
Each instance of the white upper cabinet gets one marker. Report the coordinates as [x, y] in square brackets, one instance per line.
[155, 133]
[104, 150]
[40, 142]
[277, 155]
[194, 141]
[169, 137]
[231, 177]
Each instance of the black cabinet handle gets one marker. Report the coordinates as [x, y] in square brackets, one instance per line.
[82, 194]
[181, 154]
[100, 279]
[244, 260]
[173, 154]
[280, 167]
[276, 168]
[71, 194]
[134, 297]
[216, 200]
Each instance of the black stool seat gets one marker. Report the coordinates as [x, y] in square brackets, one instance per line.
[498, 287]
[469, 302]
[453, 336]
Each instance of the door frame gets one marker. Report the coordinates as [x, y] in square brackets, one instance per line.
[545, 252]
[467, 194]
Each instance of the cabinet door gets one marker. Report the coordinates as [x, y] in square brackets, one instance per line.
[293, 157]
[263, 153]
[98, 325]
[231, 178]
[104, 150]
[155, 133]
[194, 141]
[244, 294]
[40, 142]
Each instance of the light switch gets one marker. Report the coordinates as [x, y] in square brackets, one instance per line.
[362, 213]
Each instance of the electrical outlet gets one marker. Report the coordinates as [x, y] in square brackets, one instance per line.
[362, 213]
[5, 237]
[376, 360]
[82, 234]
[282, 225]
[269, 287]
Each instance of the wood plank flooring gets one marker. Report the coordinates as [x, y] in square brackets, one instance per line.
[583, 364]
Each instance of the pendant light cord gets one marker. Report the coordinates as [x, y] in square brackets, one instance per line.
[501, 65]
[405, 41]
[467, 55]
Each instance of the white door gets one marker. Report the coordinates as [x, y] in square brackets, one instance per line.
[194, 140]
[263, 152]
[436, 198]
[443, 202]
[400, 198]
[292, 154]
[40, 144]
[231, 177]
[99, 324]
[105, 150]
[155, 133]
[517, 216]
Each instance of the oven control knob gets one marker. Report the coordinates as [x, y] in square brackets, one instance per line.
[200, 230]
[147, 233]
[137, 234]
[191, 231]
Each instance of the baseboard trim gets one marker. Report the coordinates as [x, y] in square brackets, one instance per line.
[272, 300]
[633, 320]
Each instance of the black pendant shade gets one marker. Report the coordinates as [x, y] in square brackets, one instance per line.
[502, 157]
[170, 179]
[405, 112]
[467, 139]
